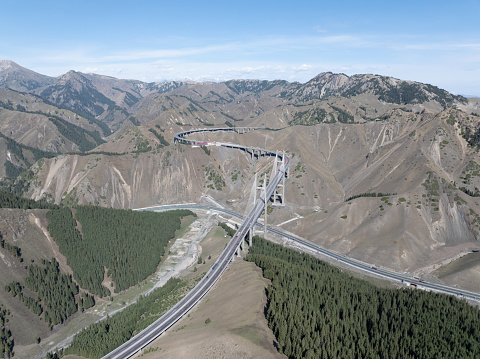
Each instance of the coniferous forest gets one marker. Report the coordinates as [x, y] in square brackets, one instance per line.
[54, 289]
[101, 338]
[15, 251]
[55, 292]
[128, 244]
[317, 311]
[12, 200]
[6, 340]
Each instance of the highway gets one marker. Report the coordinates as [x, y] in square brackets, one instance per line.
[146, 336]
[184, 305]
[354, 264]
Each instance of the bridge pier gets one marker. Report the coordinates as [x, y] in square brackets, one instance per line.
[276, 193]
[266, 208]
[242, 249]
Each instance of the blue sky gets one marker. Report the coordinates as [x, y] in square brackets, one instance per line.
[435, 42]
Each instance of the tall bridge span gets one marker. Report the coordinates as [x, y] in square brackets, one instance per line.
[150, 333]
[183, 306]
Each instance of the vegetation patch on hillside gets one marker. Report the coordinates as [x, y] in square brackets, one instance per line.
[55, 292]
[129, 244]
[317, 311]
[101, 338]
[14, 250]
[141, 143]
[471, 132]
[370, 194]
[85, 140]
[163, 141]
[23, 154]
[432, 187]
[471, 172]
[214, 179]
[235, 175]
[12, 200]
[343, 116]
[311, 117]
[6, 339]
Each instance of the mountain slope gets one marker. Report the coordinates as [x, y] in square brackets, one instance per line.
[102, 99]
[112, 101]
[31, 129]
[326, 98]
[77, 92]
[387, 89]
[349, 137]
[18, 78]
[420, 162]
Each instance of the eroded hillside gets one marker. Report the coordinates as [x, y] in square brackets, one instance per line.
[424, 169]
[384, 170]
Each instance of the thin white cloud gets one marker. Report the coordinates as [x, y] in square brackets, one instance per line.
[475, 46]
[252, 46]
[410, 43]
[137, 55]
[277, 57]
[320, 29]
[303, 67]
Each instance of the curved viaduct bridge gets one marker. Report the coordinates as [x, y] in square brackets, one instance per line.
[169, 318]
[253, 151]
[183, 306]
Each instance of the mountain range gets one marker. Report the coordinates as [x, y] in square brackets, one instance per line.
[93, 139]
[383, 170]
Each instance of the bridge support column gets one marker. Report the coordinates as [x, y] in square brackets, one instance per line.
[266, 201]
[279, 192]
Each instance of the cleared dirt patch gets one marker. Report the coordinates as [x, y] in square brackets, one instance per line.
[236, 325]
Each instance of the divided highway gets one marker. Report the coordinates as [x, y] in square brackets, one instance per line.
[146, 336]
[183, 306]
[354, 264]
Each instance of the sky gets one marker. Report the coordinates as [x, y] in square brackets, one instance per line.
[435, 42]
